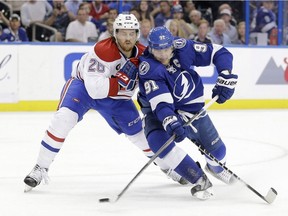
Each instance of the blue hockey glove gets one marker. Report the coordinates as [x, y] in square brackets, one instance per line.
[173, 126]
[225, 86]
[128, 74]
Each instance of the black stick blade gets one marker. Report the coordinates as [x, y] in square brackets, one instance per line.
[104, 200]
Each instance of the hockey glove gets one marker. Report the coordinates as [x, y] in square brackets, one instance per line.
[128, 74]
[225, 86]
[173, 126]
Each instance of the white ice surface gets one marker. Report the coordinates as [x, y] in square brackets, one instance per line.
[95, 163]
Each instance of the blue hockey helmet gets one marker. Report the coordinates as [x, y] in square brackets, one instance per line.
[160, 38]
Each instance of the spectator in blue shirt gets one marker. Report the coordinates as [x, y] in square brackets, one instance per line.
[164, 15]
[14, 33]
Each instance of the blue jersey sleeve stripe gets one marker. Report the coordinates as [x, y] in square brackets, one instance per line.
[166, 98]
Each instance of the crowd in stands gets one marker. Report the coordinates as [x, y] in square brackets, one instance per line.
[220, 22]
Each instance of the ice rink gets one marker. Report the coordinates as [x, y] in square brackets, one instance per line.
[95, 162]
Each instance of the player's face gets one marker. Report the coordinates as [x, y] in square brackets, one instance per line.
[163, 55]
[126, 39]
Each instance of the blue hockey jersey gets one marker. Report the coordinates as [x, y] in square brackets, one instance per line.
[265, 20]
[177, 86]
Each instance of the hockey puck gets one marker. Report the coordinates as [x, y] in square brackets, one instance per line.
[104, 200]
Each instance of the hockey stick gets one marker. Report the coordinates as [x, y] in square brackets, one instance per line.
[269, 198]
[166, 144]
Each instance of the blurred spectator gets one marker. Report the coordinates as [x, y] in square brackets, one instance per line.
[4, 20]
[230, 30]
[202, 35]
[184, 29]
[14, 33]
[155, 5]
[34, 11]
[0, 30]
[81, 30]
[266, 20]
[224, 6]
[241, 33]
[174, 25]
[188, 6]
[99, 10]
[145, 12]
[164, 14]
[109, 30]
[87, 6]
[16, 5]
[145, 27]
[73, 6]
[135, 12]
[126, 5]
[112, 14]
[195, 17]
[218, 34]
[59, 19]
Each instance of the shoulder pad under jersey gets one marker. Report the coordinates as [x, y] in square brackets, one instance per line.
[140, 48]
[107, 50]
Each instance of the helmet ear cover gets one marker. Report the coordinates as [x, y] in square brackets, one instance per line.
[160, 38]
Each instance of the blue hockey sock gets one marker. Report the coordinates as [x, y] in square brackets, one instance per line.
[220, 154]
[189, 169]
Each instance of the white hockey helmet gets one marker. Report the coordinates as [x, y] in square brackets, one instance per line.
[126, 21]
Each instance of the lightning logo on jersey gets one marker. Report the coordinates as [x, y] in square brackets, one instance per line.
[184, 86]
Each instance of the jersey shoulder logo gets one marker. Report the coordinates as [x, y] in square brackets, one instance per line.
[144, 68]
[179, 43]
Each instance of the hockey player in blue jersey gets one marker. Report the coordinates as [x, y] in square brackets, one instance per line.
[265, 18]
[171, 92]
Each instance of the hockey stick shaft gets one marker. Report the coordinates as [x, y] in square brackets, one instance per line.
[166, 144]
[269, 198]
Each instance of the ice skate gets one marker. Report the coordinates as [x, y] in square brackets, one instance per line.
[223, 176]
[175, 176]
[35, 177]
[203, 188]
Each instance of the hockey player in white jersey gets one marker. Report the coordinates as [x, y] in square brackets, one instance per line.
[171, 92]
[97, 83]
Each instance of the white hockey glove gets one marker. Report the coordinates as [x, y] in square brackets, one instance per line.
[225, 86]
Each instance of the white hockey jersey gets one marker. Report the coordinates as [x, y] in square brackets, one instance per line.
[98, 66]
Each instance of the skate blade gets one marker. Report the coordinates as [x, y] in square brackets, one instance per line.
[204, 195]
[27, 188]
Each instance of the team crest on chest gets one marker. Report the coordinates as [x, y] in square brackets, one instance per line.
[184, 86]
[144, 68]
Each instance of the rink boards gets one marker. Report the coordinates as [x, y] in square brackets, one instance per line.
[32, 76]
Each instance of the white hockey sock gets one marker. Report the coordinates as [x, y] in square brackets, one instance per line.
[61, 124]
